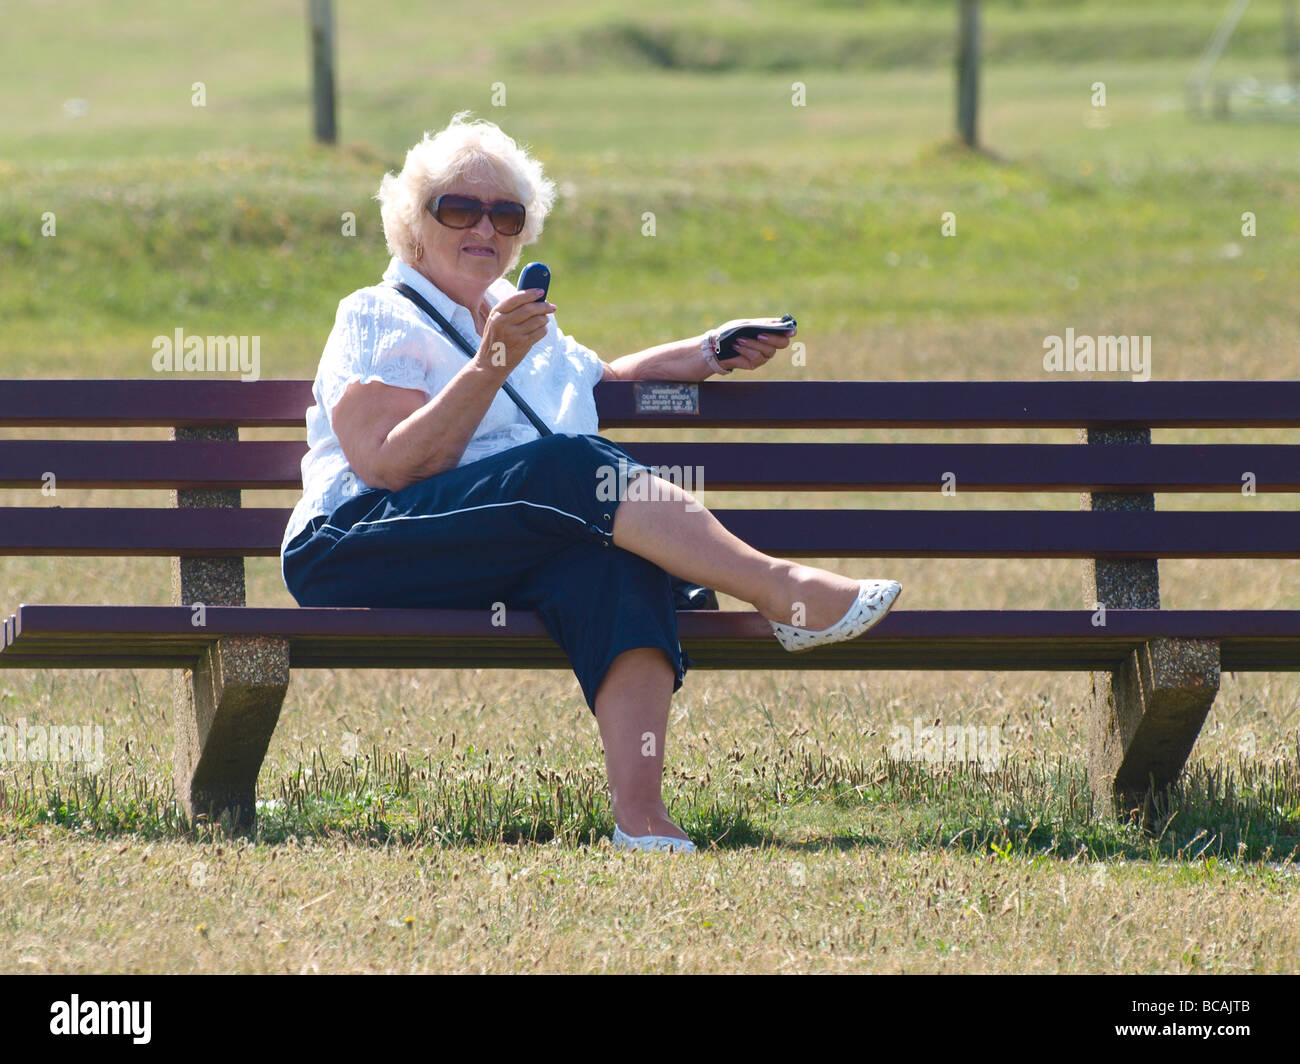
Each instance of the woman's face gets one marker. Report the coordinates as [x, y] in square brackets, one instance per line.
[467, 260]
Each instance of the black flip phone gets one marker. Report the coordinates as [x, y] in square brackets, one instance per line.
[727, 340]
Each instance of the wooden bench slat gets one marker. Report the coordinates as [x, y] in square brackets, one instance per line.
[946, 533]
[264, 464]
[61, 531]
[154, 401]
[164, 637]
[216, 465]
[979, 467]
[971, 404]
[940, 404]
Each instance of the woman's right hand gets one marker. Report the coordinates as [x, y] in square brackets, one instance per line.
[514, 326]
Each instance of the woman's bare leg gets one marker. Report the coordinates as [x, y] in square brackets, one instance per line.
[667, 526]
[632, 712]
[670, 528]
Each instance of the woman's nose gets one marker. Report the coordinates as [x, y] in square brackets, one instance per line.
[483, 227]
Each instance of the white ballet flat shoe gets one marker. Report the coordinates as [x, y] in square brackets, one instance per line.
[662, 843]
[875, 597]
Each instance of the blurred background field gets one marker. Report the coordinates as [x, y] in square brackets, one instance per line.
[227, 219]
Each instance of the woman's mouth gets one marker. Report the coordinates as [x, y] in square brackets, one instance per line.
[478, 249]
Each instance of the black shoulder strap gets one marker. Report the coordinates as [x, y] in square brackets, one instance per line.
[446, 326]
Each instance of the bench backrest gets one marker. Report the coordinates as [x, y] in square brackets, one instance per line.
[1114, 464]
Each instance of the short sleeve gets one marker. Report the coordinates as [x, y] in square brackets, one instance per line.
[370, 342]
[592, 367]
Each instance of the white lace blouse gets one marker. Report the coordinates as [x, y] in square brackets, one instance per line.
[380, 335]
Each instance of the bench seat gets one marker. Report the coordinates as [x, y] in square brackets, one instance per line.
[162, 637]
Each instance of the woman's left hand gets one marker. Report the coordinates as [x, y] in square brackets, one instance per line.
[759, 351]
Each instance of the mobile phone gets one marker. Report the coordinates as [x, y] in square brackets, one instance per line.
[535, 275]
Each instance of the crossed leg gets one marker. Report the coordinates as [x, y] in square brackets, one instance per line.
[669, 527]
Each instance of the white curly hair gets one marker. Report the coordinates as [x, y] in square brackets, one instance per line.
[464, 150]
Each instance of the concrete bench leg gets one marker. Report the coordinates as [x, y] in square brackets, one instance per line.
[226, 708]
[1145, 716]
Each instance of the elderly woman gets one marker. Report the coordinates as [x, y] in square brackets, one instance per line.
[425, 485]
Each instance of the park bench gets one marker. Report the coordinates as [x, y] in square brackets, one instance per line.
[1155, 672]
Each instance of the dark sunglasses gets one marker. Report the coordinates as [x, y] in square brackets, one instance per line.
[463, 212]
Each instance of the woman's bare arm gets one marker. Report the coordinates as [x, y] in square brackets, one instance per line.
[683, 360]
[393, 437]
[679, 360]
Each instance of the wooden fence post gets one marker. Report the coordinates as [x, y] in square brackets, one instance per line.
[322, 62]
[968, 71]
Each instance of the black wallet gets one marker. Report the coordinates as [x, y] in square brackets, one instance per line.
[751, 329]
[688, 596]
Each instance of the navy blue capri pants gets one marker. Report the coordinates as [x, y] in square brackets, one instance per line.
[524, 527]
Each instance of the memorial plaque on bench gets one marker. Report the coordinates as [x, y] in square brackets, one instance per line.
[656, 397]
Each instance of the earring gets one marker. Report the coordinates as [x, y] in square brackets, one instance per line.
[419, 252]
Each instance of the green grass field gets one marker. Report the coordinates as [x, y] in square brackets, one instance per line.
[452, 820]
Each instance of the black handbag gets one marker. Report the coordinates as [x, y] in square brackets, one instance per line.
[686, 596]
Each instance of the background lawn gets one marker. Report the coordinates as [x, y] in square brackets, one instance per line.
[451, 820]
